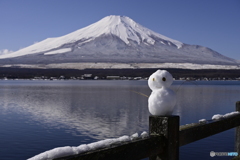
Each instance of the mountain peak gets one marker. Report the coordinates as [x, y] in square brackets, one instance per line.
[126, 29]
[114, 20]
[121, 26]
[114, 39]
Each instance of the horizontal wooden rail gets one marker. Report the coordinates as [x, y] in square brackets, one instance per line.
[133, 150]
[194, 132]
[197, 131]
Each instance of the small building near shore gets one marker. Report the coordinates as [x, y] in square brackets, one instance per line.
[113, 77]
[87, 76]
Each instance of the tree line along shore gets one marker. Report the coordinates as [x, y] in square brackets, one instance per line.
[178, 74]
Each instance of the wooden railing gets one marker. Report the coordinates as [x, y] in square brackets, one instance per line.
[165, 139]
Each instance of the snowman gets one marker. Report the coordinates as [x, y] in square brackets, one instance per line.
[162, 99]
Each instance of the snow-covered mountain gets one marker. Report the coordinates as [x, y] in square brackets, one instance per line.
[114, 39]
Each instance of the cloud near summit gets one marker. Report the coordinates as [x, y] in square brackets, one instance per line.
[5, 51]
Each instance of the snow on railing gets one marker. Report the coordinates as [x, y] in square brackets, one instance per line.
[217, 117]
[186, 133]
[220, 116]
[214, 117]
[68, 151]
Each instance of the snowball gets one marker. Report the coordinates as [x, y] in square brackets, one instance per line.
[159, 79]
[134, 136]
[144, 134]
[162, 102]
[217, 117]
[202, 121]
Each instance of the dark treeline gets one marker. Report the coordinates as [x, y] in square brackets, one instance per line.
[67, 73]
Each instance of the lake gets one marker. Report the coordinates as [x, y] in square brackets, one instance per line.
[36, 116]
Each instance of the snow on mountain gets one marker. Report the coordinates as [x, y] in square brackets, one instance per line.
[5, 51]
[123, 27]
[114, 39]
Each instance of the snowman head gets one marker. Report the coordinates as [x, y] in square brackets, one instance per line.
[159, 79]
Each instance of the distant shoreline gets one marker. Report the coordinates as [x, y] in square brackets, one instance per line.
[178, 74]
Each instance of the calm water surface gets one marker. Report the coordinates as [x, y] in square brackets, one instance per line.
[36, 116]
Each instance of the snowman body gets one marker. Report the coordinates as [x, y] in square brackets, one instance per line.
[162, 99]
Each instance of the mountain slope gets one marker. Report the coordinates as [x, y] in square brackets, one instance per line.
[114, 39]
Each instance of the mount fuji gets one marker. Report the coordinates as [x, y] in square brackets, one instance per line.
[114, 39]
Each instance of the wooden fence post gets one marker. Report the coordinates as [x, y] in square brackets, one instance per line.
[167, 126]
[237, 141]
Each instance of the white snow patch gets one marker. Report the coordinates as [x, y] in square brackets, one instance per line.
[63, 50]
[202, 121]
[219, 116]
[55, 153]
[230, 114]
[144, 134]
[101, 144]
[5, 51]
[67, 150]
[134, 136]
[162, 42]
[100, 65]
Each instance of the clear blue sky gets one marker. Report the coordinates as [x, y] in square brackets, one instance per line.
[211, 23]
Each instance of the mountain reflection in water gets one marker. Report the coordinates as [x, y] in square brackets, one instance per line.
[40, 115]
